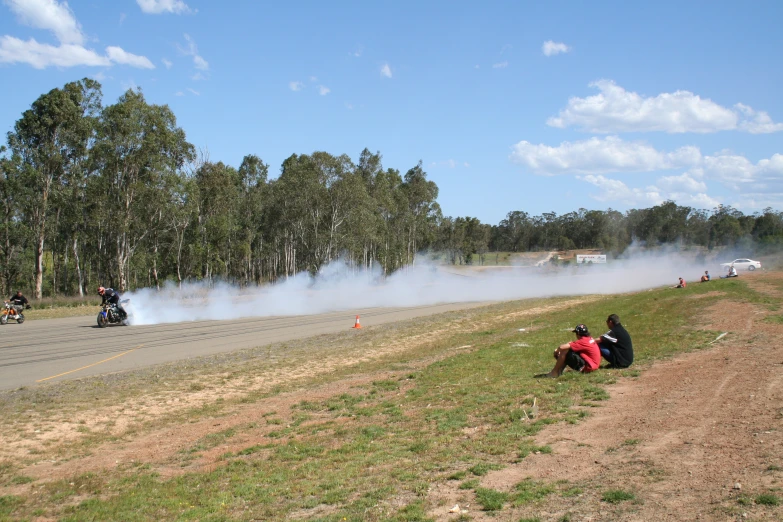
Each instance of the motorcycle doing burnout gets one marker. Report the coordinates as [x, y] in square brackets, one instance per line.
[110, 314]
[10, 312]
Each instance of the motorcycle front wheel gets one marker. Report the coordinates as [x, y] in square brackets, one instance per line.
[4, 319]
[102, 321]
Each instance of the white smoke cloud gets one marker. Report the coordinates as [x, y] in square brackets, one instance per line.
[340, 287]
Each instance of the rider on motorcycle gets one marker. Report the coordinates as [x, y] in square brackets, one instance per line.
[112, 297]
[19, 302]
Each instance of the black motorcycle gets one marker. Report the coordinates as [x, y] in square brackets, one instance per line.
[110, 314]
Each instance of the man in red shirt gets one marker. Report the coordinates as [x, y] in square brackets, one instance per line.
[582, 355]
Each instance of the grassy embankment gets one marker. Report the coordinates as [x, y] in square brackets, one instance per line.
[373, 452]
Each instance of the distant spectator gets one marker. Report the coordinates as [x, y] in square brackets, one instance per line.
[732, 272]
[705, 277]
[681, 284]
[581, 355]
[615, 345]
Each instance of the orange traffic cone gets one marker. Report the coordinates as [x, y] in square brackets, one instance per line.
[357, 325]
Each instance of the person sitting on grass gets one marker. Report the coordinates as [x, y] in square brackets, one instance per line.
[581, 355]
[681, 284]
[732, 273]
[616, 345]
[705, 277]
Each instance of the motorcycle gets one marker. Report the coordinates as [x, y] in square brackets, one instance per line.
[9, 312]
[110, 314]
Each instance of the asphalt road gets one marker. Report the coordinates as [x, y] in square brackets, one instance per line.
[58, 349]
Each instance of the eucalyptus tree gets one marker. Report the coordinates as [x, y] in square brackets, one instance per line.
[14, 230]
[137, 145]
[253, 179]
[51, 141]
[423, 210]
[218, 209]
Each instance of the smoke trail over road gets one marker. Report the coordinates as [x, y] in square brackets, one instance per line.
[339, 287]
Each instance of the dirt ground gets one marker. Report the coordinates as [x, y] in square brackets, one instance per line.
[695, 437]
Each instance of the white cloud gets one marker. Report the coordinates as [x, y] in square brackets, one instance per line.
[58, 18]
[756, 122]
[99, 76]
[349, 106]
[591, 159]
[50, 15]
[314, 79]
[358, 52]
[122, 18]
[295, 86]
[179, 93]
[550, 48]
[386, 71]
[323, 90]
[163, 6]
[192, 50]
[40, 56]
[682, 183]
[740, 174]
[167, 63]
[501, 65]
[195, 92]
[198, 77]
[200, 63]
[118, 55]
[616, 192]
[600, 155]
[614, 109]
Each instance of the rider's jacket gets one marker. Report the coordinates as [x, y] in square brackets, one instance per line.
[18, 300]
[111, 296]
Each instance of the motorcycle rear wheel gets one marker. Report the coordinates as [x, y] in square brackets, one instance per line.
[102, 321]
[20, 319]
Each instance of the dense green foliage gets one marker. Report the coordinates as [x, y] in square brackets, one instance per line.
[115, 195]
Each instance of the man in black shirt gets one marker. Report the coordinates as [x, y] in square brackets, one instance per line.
[111, 296]
[19, 301]
[616, 346]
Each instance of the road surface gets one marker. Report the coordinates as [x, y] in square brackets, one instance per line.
[58, 349]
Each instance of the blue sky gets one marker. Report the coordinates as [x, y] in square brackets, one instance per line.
[547, 106]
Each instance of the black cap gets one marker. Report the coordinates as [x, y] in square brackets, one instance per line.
[581, 329]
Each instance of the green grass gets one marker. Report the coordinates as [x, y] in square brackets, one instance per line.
[380, 447]
[767, 499]
[529, 491]
[490, 499]
[615, 496]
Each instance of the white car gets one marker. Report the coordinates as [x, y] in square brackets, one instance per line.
[739, 264]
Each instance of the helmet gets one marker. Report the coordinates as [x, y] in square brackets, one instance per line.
[581, 329]
[101, 290]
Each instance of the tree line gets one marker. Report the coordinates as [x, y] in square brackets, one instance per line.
[116, 195]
